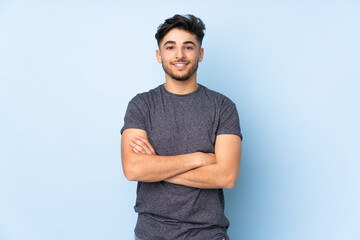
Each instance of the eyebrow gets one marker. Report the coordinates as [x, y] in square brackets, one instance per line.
[190, 42]
[169, 42]
[186, 42]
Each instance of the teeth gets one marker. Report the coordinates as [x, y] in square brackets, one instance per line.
[179, 64]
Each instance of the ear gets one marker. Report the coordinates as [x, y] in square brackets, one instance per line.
[201, 55]
[158, 56]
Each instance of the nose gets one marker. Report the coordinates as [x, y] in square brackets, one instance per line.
[180, 53]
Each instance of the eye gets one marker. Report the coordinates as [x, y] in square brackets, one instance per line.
[189, 48]
[170, 47]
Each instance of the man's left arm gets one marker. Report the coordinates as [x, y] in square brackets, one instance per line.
[222, 174]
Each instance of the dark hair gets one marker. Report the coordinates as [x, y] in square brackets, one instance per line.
[187, 22]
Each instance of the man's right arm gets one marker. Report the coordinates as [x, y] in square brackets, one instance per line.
[154, 168]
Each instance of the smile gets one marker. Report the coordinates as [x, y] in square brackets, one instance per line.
[180, 66]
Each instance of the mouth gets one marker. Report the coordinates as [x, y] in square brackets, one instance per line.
[180, 65]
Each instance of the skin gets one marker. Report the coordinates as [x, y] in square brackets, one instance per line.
[226, 168]
[180, 47]
[153, 168]
[179, 53]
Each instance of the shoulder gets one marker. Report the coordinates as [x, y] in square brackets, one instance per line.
[142, 98]
[217, 97]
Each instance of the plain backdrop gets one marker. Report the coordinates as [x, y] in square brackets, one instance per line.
[69, 68]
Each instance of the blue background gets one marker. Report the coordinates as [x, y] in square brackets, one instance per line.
[69, 68]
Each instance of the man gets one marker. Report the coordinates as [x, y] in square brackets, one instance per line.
[182, 143]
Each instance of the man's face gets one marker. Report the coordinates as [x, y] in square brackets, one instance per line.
[179, 53]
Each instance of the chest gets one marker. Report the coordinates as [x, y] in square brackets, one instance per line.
[179, 127]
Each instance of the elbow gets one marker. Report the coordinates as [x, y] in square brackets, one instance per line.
[130, 177]
[230, 181]
[134, 173]
[131, 169]
[130, 173]
[230, 185]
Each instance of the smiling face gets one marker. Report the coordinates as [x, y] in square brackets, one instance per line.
[179, 53]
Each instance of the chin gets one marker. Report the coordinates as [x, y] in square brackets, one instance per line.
[181, 79]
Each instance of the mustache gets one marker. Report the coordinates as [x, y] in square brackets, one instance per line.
[181, 61]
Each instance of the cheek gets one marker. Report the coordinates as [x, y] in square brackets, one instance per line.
[165, 58]
[194, 57]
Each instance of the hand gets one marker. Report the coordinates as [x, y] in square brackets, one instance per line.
[209, 158]
[142, 145]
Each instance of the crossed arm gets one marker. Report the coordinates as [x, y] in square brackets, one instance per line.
[199, 170]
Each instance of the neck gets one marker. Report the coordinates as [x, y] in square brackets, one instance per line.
[181, 87]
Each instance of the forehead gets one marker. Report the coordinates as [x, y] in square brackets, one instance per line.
[179, 36]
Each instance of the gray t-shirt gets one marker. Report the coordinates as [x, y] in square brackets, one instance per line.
[180, 124]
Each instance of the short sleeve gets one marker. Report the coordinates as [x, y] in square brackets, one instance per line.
[229, 122]
[135, 115]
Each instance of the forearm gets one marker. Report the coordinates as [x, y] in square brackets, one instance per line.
[154, 168]
[199, 170]
[140, 162]
[207, 177]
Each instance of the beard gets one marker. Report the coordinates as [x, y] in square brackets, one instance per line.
[183, 76]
